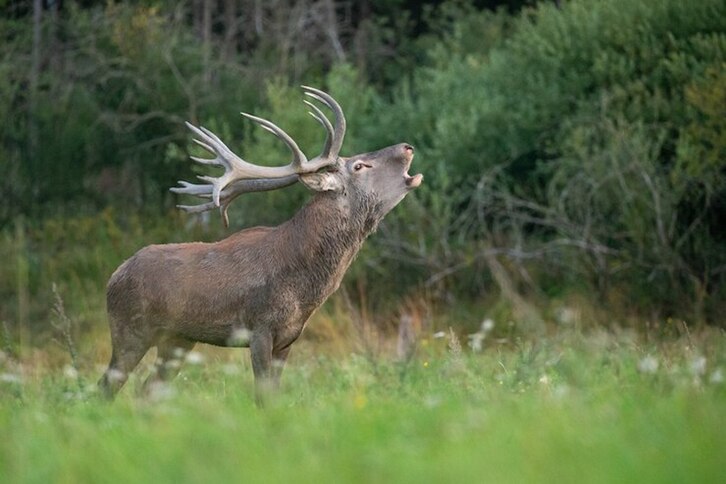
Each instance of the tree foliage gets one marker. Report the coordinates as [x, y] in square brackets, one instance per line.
[593, 128]
[580, 143]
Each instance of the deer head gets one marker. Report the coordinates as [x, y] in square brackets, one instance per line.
[376, 180]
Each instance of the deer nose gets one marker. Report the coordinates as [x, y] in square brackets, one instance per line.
[408, 147]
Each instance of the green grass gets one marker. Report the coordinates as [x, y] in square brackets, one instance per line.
[568, 408]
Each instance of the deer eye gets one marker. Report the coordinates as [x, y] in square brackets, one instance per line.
[360, 166]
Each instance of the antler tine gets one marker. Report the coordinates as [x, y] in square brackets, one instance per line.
[338, 133]
[230, 193]
[320, 117]
[224, 157]
[187, 188]
[203, 144]
[298, 156]
[204, 207]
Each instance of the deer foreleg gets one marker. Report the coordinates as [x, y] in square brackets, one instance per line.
[261, 352]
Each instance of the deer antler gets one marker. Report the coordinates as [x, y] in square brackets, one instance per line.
[241, 176]
[334, 140]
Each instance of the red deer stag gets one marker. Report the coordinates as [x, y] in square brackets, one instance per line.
[258, 287]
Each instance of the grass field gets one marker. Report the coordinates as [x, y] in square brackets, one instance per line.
[571, 407]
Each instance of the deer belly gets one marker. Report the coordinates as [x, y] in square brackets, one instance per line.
[229, 334]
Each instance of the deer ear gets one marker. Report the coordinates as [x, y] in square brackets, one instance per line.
[322, 181]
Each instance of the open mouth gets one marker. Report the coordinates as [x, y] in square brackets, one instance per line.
[412, 181]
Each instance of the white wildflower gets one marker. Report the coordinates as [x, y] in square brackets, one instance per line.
[114, 375]
[698, 366]
[649, 364]
[240, 337]
[439, 334]
[70, 372]
[10, 378]
[179, 353]
[194, 358]
[475, 341]
[544, 380]
[160, 391]
[566, 316]
[716, 376]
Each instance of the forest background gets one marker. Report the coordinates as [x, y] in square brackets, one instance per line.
[574, 152]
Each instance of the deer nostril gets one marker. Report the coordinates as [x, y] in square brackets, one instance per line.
[408, 147]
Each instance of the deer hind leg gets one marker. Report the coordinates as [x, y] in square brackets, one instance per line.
[279, 357]
[126, 354]
[170, 354]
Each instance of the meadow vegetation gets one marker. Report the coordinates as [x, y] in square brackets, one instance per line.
[577, 406]
[571, 149]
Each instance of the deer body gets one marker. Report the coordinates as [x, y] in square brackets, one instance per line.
[258, 287]
[267, 279]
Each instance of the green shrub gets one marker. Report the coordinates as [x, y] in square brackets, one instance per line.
[553, 113]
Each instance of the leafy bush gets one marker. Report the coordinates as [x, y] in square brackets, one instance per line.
[574, 102]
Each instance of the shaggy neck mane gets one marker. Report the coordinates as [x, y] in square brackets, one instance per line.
[326, 235]
[329, 221]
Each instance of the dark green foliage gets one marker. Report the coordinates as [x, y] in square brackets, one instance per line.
[578, 144]
[112, 96]
[596, 126]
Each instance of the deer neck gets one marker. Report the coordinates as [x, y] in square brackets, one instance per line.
[326, 235]
[328, 225]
